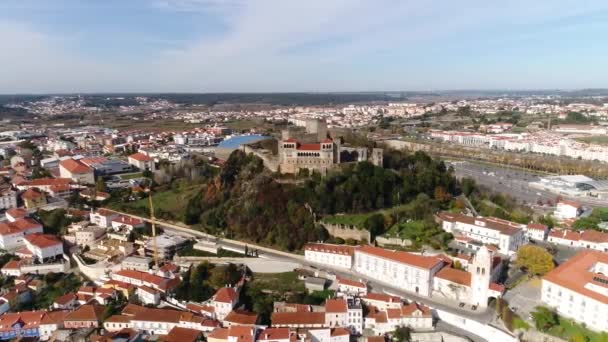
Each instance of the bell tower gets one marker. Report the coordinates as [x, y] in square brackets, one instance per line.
[481, 273]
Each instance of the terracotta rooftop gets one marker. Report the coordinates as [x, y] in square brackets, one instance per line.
[225, 295]
[420, 261]
[179, 334]
[328, 248]
[32, 194]
[241, 317]
[20, 225]
[455, 276]
[336, 305]
[140, 157]
[87, 312]
[43, 240]
[349, 282]
[74, 166]
[273, 334]
[576, 273]
[17, 212]
[503, 226]
[298, 318]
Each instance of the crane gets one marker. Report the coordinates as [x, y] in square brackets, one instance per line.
[152, 220]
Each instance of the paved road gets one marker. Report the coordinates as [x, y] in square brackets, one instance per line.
[511, 181]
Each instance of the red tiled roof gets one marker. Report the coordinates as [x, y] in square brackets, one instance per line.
[32, 194]
[140, 157]
[336, 305]
[65, 299]
[128, 220]
[575, 274]
[565, 234]
[17, 212]
[179, 334]
[298, 318]
[87, 312]
[273, 334]
[420, 261]
[381, 298]
[241, 317]
[348, 282]
[219, 334]
[536, 226]
[47, 182]
[74, 166]
[339, 332]
[573, 204]
[225, 295]
[456, 276]
[328, 248]
[43, 240]
[19, 225]
[309, 147]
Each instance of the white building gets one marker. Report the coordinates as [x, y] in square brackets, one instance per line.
[142, 162]
[507, 236]
[76, 171]
[537, 232]
[223, 301]
[410, 272]
[568, 210]
[103, 217]
[8, 199]
[332, 255]
[12, 233]
[43, 246]
[413, 315]
[148, 296]
[588, 239]
[351, 287]
[578, 289]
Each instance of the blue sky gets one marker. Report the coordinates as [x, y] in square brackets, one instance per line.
[313, 45]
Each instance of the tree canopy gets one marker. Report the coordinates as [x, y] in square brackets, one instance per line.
[535, 259]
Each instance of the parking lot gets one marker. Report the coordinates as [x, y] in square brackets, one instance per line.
[524, 298]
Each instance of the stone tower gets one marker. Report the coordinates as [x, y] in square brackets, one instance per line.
[481, 273]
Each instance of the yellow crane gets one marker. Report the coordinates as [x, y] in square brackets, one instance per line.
[152, 220]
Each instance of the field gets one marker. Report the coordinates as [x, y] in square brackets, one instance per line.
[131, 175]
[598, 140]
[168, 205]
[278, 282]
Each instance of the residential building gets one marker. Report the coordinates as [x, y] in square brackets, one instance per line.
[76, 171]
[8, 198]
[85, 316]
[410, 272]
[298, 320]
[33, 198]
[568, 210]
[166, 245]
[137, 278]
[14, 214]
[578, 289]
[223, 301]
[136, 263]
[537, 232]
[142, 162]
[103, 217]
[507, 236]
[30, 324]
[88, 236]
[148, 295]
[331, 255]
[351, 287]
[128, 222]
[589, 239]
[13, 233]
[43, 246]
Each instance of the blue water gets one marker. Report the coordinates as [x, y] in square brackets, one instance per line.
[235, 142]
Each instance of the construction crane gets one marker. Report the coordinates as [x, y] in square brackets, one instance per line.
[152, 220]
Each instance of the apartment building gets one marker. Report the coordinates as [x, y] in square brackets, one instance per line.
[332, 255]
[506, 235]
[8, 198]
[76, 171]
[578, 289]
[13, 233]
[568, 210]
[43, 246]
[142, 162]
[411, 272]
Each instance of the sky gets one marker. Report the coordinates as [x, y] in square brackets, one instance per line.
[80, 46]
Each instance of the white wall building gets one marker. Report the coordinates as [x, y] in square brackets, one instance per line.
[578, 289]
[142, 162]
[12, 233]
[332, 255]
[507, 236]
[43, 246]
[568, 210]
[8, 199]
[410, 272]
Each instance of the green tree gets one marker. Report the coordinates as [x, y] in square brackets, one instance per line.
[537, 260]
[402, 334]
[100, 185]
[544, 318]
[578, 337]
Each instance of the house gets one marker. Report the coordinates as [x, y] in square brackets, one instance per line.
[103, 217]
[240, 317]
[537, 232]
[298, 319]
[351, 287]
[128, 222]
[136, 263]
[576, 289]
[43, 246]
[13, 233]
[568, 210]
[14, 214]
[178, 334]
[66, 302]
[507, 235]
[44, 184]
[8, 198]
[30, 324]
[76, 171]
[137, 278]
[331, 255]
[381, 301]
[142, 162]
[148, 295]
[315, 284]
[223, 301]
[33, 198]
[274, 335]
[85, 316]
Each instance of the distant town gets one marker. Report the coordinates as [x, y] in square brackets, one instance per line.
[304, 217]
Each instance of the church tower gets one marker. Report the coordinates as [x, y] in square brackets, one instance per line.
[481, 272]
